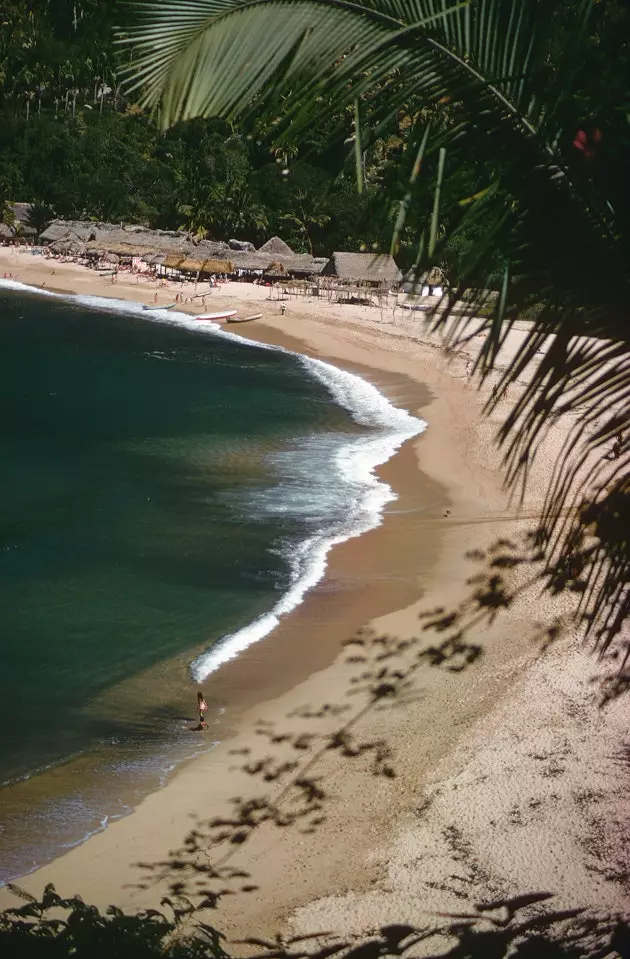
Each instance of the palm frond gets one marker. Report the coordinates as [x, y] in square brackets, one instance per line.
[480, 82]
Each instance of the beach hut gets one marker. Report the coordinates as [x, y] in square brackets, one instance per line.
[276, 271]
[373, 270]
[217, 265]
[276, 249]
[68, 245]
[248, 264]
[304, 266]
[7, 233]
[172, 262]
[429, 283]
[191, 265]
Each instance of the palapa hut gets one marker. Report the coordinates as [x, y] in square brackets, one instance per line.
[276, 271]
[68, 245]
[189, 264]
[276, 248]
[373, 270]
[171, 263]
[7, 233]
[429, 283]
[217, 265]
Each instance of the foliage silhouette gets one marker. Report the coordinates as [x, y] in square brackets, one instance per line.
[55, 928]
[289, 769]
[489, 86]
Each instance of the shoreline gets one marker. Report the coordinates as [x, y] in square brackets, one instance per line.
[347, 873]
[276, 678]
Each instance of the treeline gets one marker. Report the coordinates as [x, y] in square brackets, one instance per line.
[74, 143]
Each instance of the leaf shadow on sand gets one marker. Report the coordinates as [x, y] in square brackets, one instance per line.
[288, 770]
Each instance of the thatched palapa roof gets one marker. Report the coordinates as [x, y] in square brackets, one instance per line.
[276, 269]
[275, 247]
[69, 244]
[413, 283]
[377, 268]
[173, 261]
[218, 265]
[191, 265]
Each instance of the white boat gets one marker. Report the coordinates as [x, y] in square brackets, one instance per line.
[244, 319]
[223, 315]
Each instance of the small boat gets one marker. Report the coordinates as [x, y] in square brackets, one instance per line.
[244, 319]
[223, 315]
[158, 306]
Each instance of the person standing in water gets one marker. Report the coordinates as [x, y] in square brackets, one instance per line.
[202, 707]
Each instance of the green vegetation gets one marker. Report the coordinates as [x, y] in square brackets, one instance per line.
[490, 137]
[74, 142]
[516, 126]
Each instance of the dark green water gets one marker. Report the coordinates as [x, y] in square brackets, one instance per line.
[160, 489]
[129, 452]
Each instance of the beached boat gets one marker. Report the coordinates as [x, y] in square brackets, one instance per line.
[223, 315]
[244, 319]
[158, 306]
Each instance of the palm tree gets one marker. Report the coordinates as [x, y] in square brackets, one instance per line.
[488, 86]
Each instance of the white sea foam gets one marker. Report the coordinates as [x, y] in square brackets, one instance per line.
[355, 462]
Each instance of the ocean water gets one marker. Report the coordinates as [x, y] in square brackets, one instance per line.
[168, 492]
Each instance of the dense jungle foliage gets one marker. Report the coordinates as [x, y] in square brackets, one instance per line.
[73, 141]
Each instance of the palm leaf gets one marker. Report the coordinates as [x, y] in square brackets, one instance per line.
[480, 74]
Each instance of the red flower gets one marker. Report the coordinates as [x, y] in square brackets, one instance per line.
[587, 144]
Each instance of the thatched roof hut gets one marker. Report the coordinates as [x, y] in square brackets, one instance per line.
[249, 262]
[68, 245]
[190, 265]
[371, 269]
[21, 212]
[193, 265]
[218, 265]
[173, 261]
[304, 265]
[275, 247]
[415, 282]
[6, 232]
[276, 269]
[84, 230]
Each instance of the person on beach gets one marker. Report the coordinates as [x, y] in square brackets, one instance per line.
[202, 708]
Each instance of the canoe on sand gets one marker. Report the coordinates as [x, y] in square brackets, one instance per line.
[223, 315]
[244, 319]
[158, 306]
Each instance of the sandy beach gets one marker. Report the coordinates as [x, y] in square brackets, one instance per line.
[491, 769]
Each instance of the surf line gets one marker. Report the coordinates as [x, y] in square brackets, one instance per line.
[356, 462]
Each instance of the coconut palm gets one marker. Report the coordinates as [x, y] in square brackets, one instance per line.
[487, 85]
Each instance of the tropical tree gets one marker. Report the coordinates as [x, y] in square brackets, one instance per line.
[499, 87]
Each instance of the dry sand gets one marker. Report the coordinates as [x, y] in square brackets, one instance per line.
[508, 777]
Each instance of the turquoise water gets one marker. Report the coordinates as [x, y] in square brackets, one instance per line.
[166, 494]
